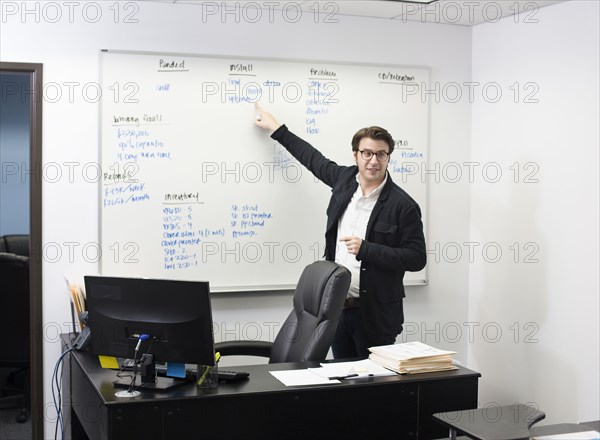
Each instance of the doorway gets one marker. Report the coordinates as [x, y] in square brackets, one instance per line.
[26, 81]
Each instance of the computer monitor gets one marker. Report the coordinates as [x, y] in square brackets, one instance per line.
[175, 315]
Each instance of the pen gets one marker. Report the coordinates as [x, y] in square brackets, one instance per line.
[207, 370]
[343, 377]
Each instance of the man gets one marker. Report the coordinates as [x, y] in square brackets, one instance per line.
[379, 230]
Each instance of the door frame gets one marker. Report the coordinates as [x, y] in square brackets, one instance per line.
[35, 71]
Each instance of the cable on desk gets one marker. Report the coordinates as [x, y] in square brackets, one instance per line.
[142, 338]
[56, 397]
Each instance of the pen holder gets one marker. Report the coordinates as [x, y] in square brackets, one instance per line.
[207, 376]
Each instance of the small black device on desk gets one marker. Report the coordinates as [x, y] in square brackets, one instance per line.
[231, 376]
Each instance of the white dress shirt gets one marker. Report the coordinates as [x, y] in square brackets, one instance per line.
[354, 223]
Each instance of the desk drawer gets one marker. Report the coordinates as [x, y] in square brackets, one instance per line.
[336, 412]
[139, 421]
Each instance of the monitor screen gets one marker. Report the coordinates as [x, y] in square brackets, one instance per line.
[175, 315]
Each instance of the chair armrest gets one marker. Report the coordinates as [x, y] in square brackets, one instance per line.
[244, 348]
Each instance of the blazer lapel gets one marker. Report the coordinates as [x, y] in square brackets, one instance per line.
[378, 206]
[342, 200]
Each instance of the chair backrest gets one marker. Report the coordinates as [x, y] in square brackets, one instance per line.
[14, 309]
[16, 244]
[308, 331]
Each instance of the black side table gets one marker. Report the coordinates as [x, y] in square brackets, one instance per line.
[510, 422]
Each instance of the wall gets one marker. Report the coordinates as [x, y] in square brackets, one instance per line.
[68, 47]
[14, 154]
[543, 291]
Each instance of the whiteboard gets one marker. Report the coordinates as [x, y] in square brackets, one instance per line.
[191, 189]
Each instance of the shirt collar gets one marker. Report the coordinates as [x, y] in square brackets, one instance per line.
[376, 191]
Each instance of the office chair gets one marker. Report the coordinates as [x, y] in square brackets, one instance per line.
[308, 331]
[14, 328]
[17, 244]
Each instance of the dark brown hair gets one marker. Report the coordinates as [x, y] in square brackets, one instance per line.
[375, 133]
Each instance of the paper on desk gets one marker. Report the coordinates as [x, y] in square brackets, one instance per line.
[364, 368]
[586, 435]
[108, 362]
[292, 378]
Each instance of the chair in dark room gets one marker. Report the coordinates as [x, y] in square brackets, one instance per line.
[14, 328]
[15, 244]
[308, 331]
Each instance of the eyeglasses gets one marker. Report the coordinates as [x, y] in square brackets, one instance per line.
[368, 154]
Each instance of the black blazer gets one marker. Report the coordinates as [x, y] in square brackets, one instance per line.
[394, 241]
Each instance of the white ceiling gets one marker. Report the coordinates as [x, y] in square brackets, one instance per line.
[456, 12]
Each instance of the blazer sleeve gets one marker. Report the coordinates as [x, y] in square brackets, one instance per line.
[327, 171]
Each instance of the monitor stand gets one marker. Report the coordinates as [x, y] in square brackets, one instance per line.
[148, 379]
[160, 384]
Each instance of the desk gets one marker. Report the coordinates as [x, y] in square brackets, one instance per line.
[262, 407]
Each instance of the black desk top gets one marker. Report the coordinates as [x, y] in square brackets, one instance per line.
[259, 382]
